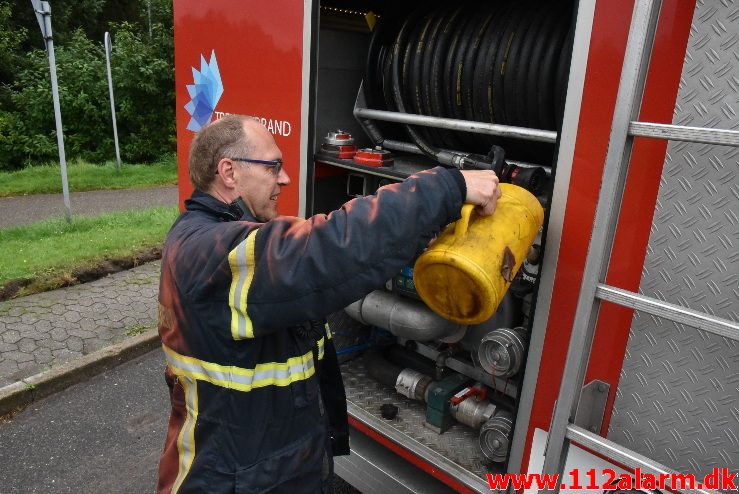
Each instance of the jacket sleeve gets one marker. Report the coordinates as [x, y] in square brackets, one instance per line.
[306, 269]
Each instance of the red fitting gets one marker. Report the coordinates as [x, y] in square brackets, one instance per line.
[346, 152]
[480, 392]
[373, 157]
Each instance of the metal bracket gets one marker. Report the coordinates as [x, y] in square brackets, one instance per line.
[592, 405]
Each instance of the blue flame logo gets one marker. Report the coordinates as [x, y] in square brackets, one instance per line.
[204, 93]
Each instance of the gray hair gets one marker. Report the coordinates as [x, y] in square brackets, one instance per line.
[223, 138]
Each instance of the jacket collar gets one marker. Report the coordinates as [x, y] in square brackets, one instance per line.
[235, 211]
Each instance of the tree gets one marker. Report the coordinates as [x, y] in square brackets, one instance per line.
[143, 72]
[142, 75]
[11, 39]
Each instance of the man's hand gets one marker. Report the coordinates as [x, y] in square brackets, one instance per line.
[482, 190]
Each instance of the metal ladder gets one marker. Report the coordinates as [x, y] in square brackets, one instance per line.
[593, 290]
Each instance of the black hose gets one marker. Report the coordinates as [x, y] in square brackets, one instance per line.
[376, 89]
[469, 64]
[438, 67]
[400, 55]
[474, 93]
[484, 64]
[510, 69]
[525, 94]
[415, 50]
[380, 369]
[458, 66]
[427, 72]
[501, 62]
[485, 90]
[421, 70]
[547, 69]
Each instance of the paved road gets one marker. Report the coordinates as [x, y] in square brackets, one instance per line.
[103, 435]
[21, 210]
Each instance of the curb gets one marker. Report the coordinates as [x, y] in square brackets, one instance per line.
[20, 394]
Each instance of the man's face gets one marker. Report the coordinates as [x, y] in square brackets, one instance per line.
[257, 184]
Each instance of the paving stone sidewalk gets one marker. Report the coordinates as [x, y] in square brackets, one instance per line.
[40, 331]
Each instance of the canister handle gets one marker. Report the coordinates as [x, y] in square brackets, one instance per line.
[460, 228]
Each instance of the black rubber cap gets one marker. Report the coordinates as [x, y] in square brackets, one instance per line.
[389, 411]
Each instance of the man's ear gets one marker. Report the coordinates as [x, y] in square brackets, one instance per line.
[225, 172]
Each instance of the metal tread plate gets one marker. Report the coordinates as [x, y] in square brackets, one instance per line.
[678, 396]
[459, 444]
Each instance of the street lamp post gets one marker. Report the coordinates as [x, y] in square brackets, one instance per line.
[149, 7]
[43, 15]
[112, 100]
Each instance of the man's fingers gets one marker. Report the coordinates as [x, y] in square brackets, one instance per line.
[488, 207]
[482, 190]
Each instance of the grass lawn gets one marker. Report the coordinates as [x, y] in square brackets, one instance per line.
[51, 251]
[46, 179]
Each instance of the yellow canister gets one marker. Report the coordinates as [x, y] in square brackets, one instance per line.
[464, 274]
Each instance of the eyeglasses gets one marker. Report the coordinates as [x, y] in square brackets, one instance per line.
[274, 165]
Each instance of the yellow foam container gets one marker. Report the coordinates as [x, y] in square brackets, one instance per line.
[465, 273]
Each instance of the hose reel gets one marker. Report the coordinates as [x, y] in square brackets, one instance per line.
[501, 63]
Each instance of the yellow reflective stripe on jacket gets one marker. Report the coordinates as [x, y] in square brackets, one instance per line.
[242, 379]
[322, 341]
[186, 438]
[321, 345]
[241, 260]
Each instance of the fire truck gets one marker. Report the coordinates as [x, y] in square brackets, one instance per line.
[614, 348]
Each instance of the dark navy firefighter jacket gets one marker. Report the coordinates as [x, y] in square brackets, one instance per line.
[258, 404]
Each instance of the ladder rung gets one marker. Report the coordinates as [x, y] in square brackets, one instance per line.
[626, 457]
[721, 137]
[673, 312]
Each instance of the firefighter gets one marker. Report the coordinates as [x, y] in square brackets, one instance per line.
[257, 400]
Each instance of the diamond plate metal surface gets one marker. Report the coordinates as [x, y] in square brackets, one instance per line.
[460, 444]
[678, 397]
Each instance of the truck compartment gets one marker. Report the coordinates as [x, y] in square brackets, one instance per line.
[505, 65]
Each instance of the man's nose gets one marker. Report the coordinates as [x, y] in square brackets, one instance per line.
[283, 178]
